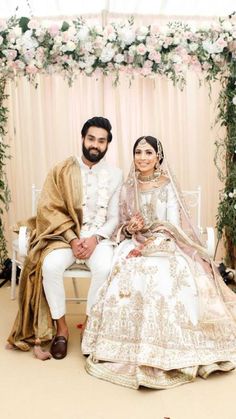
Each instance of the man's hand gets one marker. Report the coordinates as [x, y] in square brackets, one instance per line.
[83, 248]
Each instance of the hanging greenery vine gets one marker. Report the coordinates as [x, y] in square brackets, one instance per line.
[4, 191]
[226, 217]
[29, 47]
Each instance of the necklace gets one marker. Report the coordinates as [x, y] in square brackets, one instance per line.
[150, 178]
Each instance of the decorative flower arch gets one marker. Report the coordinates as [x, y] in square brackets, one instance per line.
[28, 48]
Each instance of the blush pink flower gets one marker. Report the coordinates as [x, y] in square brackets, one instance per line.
[155, 56]
[141, 49]
[146, 71]
[10, 54]
[53, 29]
[33, 24]
[31, 69]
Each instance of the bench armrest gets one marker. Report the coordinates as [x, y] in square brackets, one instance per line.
[23, 241]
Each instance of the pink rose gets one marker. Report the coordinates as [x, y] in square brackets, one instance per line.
[10, 54]
[155, 56]
[141, 49]
[53, 29]
[31, 69]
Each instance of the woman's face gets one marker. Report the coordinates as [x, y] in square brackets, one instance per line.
[145, 158]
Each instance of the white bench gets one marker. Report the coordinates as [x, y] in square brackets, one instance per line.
[19, 251]
[19, 247]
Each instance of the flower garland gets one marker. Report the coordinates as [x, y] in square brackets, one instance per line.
[94, 222]
[29, 47]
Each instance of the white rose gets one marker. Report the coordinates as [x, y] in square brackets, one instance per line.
[176, 40]
[234, 100]
[90, 59]
[127, 35]
[176, 59]
[70, 46]
[83, 33]
[107, 54]
[193, 46]
[88, 46]
[18, 31]
[88, 70]
[209, 47]
[58, 40]
[71, 31]
[132, 50]
[226, 25]
[3, 25]
[143, 30]
[119, 58]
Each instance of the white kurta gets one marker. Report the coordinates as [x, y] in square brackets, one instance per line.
[101, 187]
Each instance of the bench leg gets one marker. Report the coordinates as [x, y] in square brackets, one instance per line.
[75, 290]
[13, 276]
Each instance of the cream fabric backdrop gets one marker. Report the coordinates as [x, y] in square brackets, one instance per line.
[45, 123]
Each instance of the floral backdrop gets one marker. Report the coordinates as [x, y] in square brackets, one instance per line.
[29, 47]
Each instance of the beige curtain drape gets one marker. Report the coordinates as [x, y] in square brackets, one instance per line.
[44, 127]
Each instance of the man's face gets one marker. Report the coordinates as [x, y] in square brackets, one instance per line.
[95, 144]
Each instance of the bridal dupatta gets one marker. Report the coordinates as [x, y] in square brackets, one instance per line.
[165, 317]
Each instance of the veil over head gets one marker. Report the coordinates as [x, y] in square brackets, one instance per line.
[130, 201]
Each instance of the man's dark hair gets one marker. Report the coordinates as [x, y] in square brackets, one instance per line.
[100, 122]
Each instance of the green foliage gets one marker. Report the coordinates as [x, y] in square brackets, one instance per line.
[23, 23]
[226, 217]
[4, 191]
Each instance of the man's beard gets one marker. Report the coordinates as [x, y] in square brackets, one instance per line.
[92, 157]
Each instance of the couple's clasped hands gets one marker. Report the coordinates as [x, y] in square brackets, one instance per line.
[83, 248]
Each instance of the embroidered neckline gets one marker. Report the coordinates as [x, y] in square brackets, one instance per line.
[97, 220]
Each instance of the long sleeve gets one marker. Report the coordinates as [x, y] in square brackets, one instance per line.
[112, 211]
[173, 213]
[69, 235]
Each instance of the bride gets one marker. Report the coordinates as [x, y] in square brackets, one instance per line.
[164, 316]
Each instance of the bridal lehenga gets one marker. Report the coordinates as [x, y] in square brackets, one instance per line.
[165, 317]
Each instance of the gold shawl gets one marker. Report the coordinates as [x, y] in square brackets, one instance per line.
[59, 209]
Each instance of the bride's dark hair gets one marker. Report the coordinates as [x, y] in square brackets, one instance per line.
[154, 143]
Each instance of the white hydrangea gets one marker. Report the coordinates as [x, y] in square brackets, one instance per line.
[226, 25]
[193, 46]
[119, 58]
[126, 35]
[107, 54]
[83, 33]
[70, 46]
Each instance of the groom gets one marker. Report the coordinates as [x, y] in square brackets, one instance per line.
[77, 213]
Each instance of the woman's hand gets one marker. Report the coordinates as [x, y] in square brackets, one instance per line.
[135, 224]
[136, 252]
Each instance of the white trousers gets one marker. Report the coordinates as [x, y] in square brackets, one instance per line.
[57, 261]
